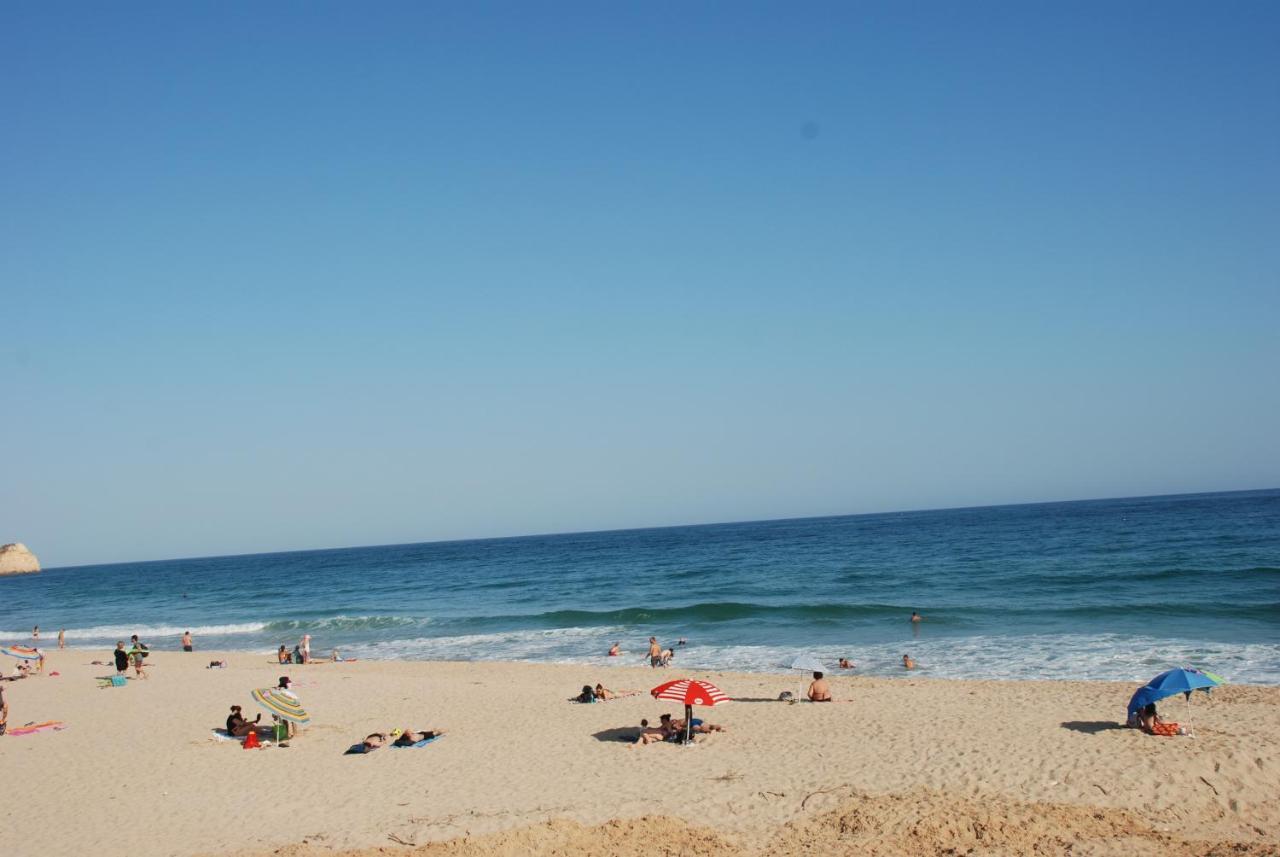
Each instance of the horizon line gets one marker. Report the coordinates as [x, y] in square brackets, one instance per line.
[670, 527]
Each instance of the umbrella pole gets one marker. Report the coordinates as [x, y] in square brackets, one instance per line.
[688, 724]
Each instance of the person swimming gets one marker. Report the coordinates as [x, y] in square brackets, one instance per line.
[615, 650]
[916, 617]
[846, 664]
[907, 663]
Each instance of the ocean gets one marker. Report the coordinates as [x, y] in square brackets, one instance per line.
[1105, 589]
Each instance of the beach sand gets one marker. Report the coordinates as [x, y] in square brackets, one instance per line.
[898, 766]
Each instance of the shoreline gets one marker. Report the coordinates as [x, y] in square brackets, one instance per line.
[524, 766]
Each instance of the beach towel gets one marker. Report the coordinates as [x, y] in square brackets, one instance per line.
[33, 728]
[224, 735]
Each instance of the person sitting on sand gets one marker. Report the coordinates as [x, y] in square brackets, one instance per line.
[846, 664]
[336, 658]
[282, 656]
[237, 726]
[587, 695]
[1153, 725]
[650, 734]
[907, 663]
[819, 690]
[615, 650]
[408, 737]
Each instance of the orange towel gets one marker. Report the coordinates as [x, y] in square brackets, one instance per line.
[1169, 729]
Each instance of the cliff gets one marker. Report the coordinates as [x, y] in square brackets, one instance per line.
[16, 559]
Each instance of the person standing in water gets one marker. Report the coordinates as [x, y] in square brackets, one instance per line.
[35, 632]
[655, 652]
[186, 642]
[916, 618]
[306, 648]
[62, 638]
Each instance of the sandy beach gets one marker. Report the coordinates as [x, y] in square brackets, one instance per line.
[897, 766]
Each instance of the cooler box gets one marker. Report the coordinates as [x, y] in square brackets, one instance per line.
[117, 681]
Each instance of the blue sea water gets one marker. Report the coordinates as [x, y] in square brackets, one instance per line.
[1108, 589]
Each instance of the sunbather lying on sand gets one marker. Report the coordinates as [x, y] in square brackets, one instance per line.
[408, 737]
[374, 741]
[676, 727]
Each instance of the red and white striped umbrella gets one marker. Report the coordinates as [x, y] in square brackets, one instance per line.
[691, 692]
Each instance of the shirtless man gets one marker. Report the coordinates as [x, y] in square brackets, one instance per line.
[846, 664]
[186, 642]
[655, 652]
[819, 690]
[915, 617]
[907, 663]
[615, 650]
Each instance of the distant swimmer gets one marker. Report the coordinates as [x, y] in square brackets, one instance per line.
[655, 652]
[846, 664]
[682, 642]
[615, 650]
[35, 632]
[916, 617]
[907, 663]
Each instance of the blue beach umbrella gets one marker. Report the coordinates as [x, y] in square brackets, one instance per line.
[1168, 684]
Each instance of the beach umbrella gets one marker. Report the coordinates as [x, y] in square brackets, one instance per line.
[281, 703]
[27, 654]
[1169, 683]
[690, 692]
[808, 664]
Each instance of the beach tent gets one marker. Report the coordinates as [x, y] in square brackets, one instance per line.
[691, 692]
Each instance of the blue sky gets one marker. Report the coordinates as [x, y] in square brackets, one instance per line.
[296, 275]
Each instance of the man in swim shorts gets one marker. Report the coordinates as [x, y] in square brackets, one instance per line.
[655, 652]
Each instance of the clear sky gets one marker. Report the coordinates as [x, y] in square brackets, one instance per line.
[298, 275]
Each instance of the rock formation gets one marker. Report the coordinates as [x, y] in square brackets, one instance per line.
[16, 559]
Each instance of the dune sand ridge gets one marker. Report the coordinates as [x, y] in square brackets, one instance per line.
[897, 766]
